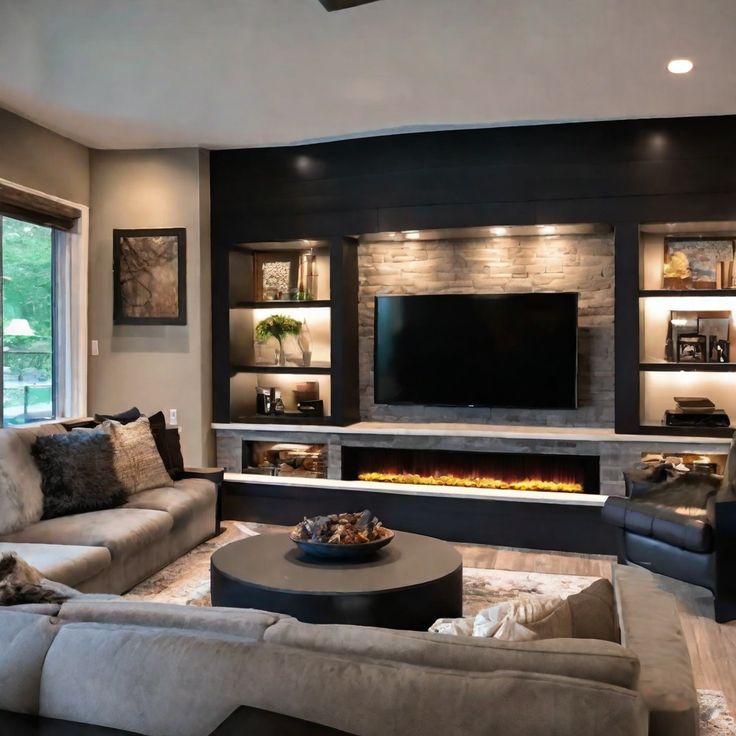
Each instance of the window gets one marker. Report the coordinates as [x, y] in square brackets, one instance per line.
[30, 254]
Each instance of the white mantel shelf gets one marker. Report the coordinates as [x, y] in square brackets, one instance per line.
[574, 434]
[485, 494]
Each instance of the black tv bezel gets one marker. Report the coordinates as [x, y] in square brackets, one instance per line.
[552, 407]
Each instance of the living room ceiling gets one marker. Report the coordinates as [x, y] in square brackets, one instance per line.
[237, 73]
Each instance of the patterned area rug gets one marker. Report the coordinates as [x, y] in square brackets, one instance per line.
[187, 581]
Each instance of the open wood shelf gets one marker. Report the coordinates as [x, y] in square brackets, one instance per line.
[289, 418]
[280, 303]
[687, 292]
[661, 429]
[307, 370]
[677, 367]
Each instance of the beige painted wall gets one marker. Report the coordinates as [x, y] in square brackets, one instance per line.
[157, 367]
[40, 159]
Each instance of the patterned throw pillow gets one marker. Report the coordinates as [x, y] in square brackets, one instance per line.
[77, 473]
[137, 462]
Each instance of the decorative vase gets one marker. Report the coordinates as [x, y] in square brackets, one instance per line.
[304, 340]
[282, 353]
[307, 276]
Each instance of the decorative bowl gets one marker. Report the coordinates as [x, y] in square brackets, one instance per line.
[341, 551]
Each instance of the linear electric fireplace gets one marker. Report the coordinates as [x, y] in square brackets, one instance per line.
[493, 470]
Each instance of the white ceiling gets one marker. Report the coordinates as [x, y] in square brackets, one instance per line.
[214, 73]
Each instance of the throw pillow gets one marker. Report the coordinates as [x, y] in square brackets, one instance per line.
[21, 497]
[78, 473]
[138, 464]
[525, 619]
[168, 444]
[593, 612]
[585, 615]
[124, 417]
[20, 583]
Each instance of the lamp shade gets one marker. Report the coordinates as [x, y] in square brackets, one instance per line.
[19, 328]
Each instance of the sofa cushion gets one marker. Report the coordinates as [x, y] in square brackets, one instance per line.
[187, 683]
[138, 464]
[21, 498]
[78, 473]
[25, 639]
[122, 531]
[592, 660]
[63, 563]
[182, 501]
[246, 623]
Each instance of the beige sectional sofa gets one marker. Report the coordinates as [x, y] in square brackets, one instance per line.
[110, 551]
[167, 670]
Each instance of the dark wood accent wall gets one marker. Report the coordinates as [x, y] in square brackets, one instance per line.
[622, 173]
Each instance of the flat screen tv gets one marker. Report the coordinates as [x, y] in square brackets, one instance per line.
[490, 350]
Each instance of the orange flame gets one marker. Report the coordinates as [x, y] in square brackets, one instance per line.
[528, 484]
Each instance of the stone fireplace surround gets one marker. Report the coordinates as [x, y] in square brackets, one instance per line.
[613, 451]
[583, 263]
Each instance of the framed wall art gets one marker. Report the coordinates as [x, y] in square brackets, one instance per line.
[695, 263]
[149, 273]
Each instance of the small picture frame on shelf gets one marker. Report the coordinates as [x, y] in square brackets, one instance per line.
[275, 275]
[698, 263]
[719, 351]
[692, 349]
[716, 328]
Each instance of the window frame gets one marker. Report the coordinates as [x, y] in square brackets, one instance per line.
[69, 322]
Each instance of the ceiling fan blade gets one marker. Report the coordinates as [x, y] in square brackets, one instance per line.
[331, 5]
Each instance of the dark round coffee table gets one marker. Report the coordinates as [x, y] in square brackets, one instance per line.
[406, 585]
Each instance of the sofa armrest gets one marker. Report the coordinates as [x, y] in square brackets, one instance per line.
[216, 475]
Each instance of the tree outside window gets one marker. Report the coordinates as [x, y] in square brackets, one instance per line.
[28, 324]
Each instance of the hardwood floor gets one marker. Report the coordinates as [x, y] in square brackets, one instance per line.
[712, 646]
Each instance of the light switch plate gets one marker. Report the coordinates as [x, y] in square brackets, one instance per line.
[173, 418]
[94, 348]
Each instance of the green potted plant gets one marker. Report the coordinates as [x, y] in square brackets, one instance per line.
[278, 326]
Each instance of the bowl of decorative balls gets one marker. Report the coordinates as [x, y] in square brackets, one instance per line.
[341, 536]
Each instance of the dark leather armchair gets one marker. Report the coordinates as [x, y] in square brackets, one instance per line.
[684, 528]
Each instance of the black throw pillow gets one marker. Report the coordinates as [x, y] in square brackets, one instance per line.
[77, 473]
[168, 444]
[124, 417]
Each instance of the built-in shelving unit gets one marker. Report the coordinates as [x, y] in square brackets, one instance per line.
[666, 313]
[263, 280]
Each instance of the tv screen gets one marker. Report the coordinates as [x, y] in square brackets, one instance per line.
[502, 350]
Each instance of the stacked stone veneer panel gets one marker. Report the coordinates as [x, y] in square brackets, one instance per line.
[579, 263]
[614, 455]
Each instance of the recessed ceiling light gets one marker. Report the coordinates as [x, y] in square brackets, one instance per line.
[500, 231]
[680, 66]
[412, 235]
[548, 229]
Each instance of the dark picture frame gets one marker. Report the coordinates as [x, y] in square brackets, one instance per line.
[287, 262]
[149, 276]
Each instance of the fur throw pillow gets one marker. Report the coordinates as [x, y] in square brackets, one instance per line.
[20, 583]
[138, 464]
[78, 473]
[21, 497]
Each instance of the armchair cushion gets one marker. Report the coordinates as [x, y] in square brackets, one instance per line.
[676, 512]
